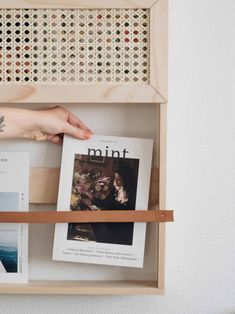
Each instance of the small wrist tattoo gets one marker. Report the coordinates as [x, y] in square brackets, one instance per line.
[2, 125]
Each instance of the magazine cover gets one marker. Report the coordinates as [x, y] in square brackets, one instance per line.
[103, 173]
[14, 187]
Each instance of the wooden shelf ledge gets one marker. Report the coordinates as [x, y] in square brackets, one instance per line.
[108, 287]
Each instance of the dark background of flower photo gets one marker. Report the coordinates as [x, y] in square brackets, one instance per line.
[107, 185]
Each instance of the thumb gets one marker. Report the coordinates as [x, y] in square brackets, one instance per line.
[76, 132]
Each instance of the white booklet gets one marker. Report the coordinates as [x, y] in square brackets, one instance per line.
[103, 173]
[14, 196]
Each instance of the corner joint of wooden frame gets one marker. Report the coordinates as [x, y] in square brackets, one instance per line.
[160, 98]
[155, 2]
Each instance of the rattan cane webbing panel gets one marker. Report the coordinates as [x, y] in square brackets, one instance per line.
[75, 46]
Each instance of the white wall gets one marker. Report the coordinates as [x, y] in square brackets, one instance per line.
[200, 255]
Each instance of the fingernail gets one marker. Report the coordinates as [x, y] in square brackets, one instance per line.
[87, 134]
[89, 130]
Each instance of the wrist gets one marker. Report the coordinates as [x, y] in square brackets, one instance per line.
[28, 124]
[18, 123]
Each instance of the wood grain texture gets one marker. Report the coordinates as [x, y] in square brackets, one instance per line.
[162, 196]
[87, 216]
[85, 94]
[159, 47]
[76, 4]
[159, 80]
[109, 287]
[163, 156]
[43, 185]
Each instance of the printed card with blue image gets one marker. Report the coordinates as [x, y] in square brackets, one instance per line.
[14, 187]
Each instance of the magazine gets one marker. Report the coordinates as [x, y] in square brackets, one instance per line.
[14, 187]
[103, 173]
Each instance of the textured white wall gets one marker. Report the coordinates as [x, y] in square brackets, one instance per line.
[200, 255]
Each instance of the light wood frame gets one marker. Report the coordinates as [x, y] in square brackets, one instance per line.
[156, 93]
[87, 93]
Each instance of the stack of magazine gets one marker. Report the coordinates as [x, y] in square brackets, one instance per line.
[102, 173]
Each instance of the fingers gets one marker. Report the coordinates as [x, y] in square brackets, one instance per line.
[76, 132]
[55, 139]
[42, 137]
[60, 120]
[75, 121]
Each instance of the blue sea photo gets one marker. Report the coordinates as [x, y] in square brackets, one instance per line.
[9, 236]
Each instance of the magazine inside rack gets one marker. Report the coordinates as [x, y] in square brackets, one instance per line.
[47, 276]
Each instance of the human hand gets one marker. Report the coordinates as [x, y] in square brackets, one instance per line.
[44, 125]
[53, 122]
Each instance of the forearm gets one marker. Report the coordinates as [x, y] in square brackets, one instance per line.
[43, 125]
[16, 123]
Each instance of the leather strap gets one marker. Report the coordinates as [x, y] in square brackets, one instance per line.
[87, 216]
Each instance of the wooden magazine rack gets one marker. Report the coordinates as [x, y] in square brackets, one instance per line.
[88, 52]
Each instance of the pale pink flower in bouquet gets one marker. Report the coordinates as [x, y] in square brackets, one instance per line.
[102, 187]
[87, 187]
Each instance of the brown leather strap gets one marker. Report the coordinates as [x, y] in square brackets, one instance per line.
[87, 216]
